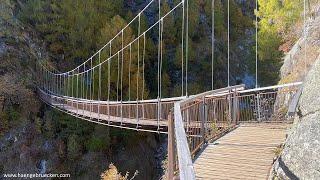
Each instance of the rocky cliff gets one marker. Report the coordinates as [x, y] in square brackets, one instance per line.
[300, 158]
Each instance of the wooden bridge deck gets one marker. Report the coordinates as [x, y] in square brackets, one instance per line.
[245, 153]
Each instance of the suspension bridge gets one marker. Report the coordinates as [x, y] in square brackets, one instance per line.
[226, 133]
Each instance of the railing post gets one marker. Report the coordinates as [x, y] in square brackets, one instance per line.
[171, 151]
[203, 118]
[229, 107]
[258, 107]
[235, 107]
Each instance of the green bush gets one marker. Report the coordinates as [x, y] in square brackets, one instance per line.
[96, 144]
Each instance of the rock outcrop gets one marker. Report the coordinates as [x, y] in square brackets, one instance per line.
[303, 54]
[300, 158]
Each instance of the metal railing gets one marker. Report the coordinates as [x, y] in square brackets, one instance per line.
[209, 115]
[193, 122]
[191, 126]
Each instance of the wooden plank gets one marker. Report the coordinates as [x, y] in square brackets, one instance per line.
[245, 153]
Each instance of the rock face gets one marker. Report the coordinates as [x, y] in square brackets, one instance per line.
[295, 63]
[301, 154]
[18, 54]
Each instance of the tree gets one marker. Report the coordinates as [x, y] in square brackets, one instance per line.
[100, 139]
[275, 19]
[120, 61]
[73, 147]
[70, 27]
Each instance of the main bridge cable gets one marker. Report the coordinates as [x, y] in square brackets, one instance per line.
[91, 70]
[110, 41]
[152, 26]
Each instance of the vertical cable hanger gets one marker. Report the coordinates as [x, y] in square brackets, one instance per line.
[93, 96]
[130, 57]
[109, 64]
[78, 91]
[84, 82]
[137, 96]
[229, 98]
[256, 43]
[143, 78]
[182, 50]
[187, 45]
[72, 84]
[161, 37]
[159, 46]
[87, 89]
[91, 85]
[212, 50]
[99, 92]
[118, 79]
[305, 37]
[121, 110]
[228, 43]
[158, 103]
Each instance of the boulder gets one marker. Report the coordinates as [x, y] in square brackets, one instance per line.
[300, 158]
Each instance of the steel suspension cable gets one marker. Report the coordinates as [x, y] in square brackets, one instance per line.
[228, 43]
[84, 80]
[212, 41]
[118, 79]
[72, 81]
[130, 57]
[137, 96]
[114, 37]
[143, 78]
[93, 70]
[305, 37]
[256, 43]
[182, 49]
[91, 85]
[78, 91]
[129, 89]
[99, 92]
[87, 88]
[109, 64]
[161, 57]
[158, 98]
[133, 41]
[187, 46]
[121, 75]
